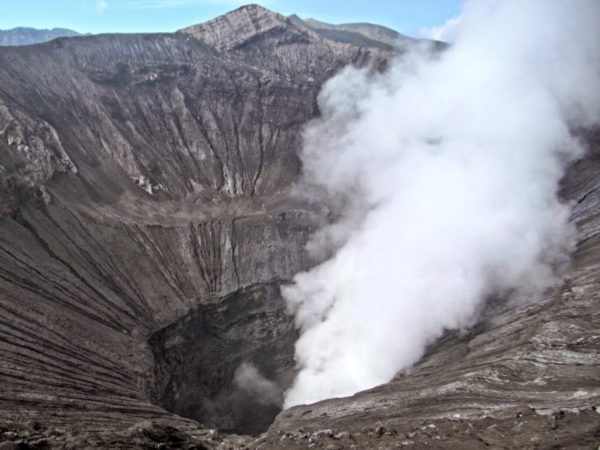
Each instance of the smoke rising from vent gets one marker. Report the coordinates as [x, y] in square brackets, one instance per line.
[442, 174]
[248, 379]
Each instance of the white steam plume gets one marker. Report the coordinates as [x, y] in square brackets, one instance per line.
[248, 379]
[447, 168]
[445, 32]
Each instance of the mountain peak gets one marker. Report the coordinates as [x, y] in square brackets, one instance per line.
[254, 7]
[237, 26]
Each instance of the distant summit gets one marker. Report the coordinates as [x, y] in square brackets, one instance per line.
[29, 36]
[242, 26]
[256, 24]
[246, 24]
[286, 45]
[365, 34]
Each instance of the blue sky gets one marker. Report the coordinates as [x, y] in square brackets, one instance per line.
[97, 16]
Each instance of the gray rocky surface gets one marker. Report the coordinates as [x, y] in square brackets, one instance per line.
[145, 188]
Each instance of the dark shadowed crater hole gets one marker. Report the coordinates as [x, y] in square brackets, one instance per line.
[228, 363]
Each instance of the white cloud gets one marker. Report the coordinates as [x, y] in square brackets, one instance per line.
[101, 5]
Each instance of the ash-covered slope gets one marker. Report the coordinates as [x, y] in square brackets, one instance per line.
[142, 177]
[146, 223]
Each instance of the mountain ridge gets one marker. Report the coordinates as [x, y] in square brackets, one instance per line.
[250, 20]
[362, 34]
[30, 36]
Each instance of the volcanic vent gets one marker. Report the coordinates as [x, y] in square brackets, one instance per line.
[228, 363]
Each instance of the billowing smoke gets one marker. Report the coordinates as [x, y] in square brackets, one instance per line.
[442, 174]
[248, 379]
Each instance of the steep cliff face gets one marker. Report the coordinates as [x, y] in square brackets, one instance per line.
[142, 176]
[228, 363]
[147, 220]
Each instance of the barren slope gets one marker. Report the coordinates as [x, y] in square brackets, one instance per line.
[142, 176]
